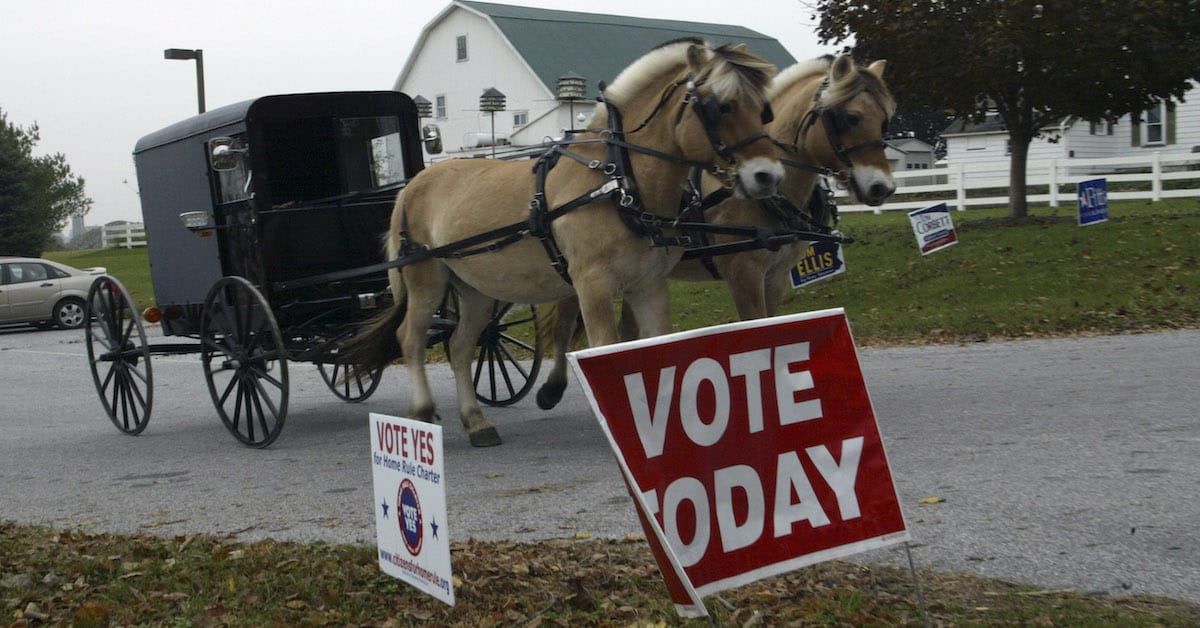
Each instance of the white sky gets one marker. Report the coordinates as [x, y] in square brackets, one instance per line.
[91, 73]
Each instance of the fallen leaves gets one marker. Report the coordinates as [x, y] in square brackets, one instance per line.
[99, 580]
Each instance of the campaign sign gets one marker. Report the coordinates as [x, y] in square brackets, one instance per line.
[1093, 201]
[410, 504]
[750, 449]
[822, 260]
[933, 227]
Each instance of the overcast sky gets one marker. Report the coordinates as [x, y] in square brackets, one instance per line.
[91, 73]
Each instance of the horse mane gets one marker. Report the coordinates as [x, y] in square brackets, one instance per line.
[838, 92]
[853, 83]
[797, 72]
[733, 73]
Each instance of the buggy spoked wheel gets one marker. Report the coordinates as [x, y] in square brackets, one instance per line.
[118, 355]
[244, 361]
[349, 382]
[509, 357]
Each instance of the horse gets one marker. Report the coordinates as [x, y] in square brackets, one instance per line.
[581, 224]
[833, 115]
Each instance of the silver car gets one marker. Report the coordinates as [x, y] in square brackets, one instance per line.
[43, 292]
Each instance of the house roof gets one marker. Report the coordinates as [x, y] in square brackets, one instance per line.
[596, 46]
[993, 124]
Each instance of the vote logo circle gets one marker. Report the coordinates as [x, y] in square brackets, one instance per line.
[412, 524]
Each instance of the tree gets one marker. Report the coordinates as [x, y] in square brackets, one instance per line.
[1031, 62]
[37, 194]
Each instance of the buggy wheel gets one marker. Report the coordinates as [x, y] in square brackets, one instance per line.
[244, 361]
[118, 355]
[349, 382]
[509, 357]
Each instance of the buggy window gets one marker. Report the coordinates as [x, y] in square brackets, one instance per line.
[233, 184]
[318, 158]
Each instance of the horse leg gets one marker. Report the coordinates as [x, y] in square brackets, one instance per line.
[744, 279]
[627, 326]
[596, 306]
[474, 312]
[651, 308]
[566, 315]
[425, 284]
[777, 283]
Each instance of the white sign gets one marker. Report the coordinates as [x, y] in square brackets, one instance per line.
[934, 228]
[410, 504]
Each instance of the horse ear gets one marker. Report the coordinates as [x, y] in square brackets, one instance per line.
[842, 66]
[740, 47]
[696, 57]
[877, 67]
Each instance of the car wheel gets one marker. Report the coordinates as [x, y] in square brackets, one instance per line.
[69, 314]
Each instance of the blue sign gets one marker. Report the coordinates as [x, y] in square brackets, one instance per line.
[1093, 201]
[822, 260]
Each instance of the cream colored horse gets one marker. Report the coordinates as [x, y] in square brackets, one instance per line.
[693, 104]
[834, 114]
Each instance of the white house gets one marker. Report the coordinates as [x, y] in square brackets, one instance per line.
[522, 52]
[1171, 127]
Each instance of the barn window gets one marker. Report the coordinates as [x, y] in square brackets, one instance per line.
[461, 45]
[440, 107]
[520, 119]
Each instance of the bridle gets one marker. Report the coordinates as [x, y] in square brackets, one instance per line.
[837, 122]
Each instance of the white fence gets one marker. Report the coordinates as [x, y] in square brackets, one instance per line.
[126, 236]
[1149, 177]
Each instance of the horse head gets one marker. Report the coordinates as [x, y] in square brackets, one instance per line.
[717, 104]
[845, 125]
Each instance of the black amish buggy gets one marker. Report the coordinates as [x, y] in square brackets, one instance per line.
[263, 223]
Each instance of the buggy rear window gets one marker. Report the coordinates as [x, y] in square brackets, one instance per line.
[325, 157]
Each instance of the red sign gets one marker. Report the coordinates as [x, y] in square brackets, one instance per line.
[751, 449]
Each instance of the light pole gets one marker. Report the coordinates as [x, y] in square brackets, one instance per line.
[198, 55]
[492, 101]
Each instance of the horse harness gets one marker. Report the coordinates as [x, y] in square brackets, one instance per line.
[813, 222]
[619, 185]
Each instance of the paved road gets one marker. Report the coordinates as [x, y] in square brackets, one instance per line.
[1064, 463]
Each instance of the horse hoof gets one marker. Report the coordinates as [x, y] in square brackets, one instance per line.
[549, 395]
[486, 437]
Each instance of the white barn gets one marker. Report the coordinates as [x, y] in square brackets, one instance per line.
[522, 52]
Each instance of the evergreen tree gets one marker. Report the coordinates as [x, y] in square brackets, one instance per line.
[38, 195]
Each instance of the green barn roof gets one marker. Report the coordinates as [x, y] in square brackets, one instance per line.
[597, 47]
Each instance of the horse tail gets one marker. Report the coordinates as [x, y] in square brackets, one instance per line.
[374, 344]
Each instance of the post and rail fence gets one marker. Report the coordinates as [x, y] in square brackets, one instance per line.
[1154, 176]
[127, 235]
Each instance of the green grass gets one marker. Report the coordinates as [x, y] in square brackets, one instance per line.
[130, 266]
[1041, 276]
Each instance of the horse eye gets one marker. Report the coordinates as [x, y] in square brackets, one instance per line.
[728, 108]
[852, 119]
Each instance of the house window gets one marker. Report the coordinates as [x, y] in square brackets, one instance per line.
[1100, 128]
[440, 107]
[520, 119]
[1154, 125]
[460, 44]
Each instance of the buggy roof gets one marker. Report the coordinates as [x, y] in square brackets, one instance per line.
[206, 123]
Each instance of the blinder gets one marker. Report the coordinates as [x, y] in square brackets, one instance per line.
[711, 110]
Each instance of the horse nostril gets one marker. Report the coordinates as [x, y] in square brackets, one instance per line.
[765, 179]
[881, 190]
